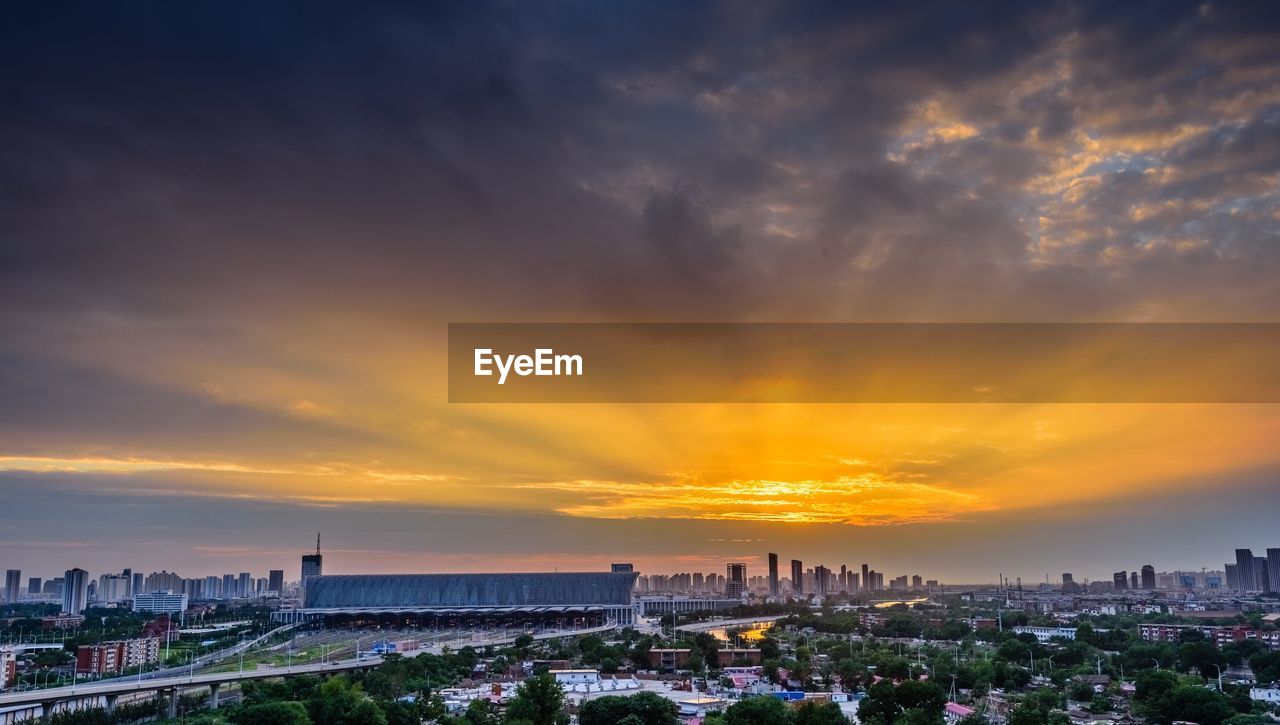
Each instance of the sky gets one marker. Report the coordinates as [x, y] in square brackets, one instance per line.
[232, 238]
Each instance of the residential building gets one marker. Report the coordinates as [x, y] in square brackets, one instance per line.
[75, 591]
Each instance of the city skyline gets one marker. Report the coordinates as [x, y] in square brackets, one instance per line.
[245, 584]
[233, 238]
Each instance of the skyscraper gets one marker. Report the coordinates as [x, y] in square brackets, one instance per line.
[866, 582]
[821, 576]
[735, 583]
[12, 582]
[1120, 580]
[312, 565]
[1247, 581]
[1273, 569]
[773, 575]
[75, 591]
[797, 577]
[1148, 577]
[275, 581]
[1261, 578]
[35, 586]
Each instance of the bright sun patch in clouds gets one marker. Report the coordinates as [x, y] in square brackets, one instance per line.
[859, 500]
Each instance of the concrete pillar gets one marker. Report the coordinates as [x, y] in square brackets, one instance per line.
[111, 703]
[213, 695]
[46, 710]
[173, 703]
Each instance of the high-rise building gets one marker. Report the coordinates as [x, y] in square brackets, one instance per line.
[244, 584]
[1148, 577]
[128, 583]
[1273, 569]
[866, 581]
[821, 577]
[1246, 580]
[75, 591]
[34, 586]
[797, 577]
[112, 588]
[773, 575]
[138, 581]
[1233, 576]
[735, 582]
[619, 568]
[1120, 580]
[1261, 579]
[844, 578]
[12, 583]
[275, 581]
[312, 565]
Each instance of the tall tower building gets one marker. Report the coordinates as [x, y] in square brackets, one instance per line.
[1120, 580]
[275, 581]
[797, 577]
[312, 565]
[1148, 577]
[773, 575]
[1247, 580]
[12, 582]
[821, 576]
[735, 582]
[75, 591]
[866, 582]
[1273, 569]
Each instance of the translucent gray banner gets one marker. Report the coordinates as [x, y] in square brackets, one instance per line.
[864, 363]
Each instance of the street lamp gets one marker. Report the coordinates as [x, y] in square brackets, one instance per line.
[1219, 676]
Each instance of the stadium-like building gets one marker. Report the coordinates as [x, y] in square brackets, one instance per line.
[587, 598]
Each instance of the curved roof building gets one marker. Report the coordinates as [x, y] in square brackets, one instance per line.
[461, 592]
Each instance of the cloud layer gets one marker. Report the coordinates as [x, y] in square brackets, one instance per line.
[230, 237]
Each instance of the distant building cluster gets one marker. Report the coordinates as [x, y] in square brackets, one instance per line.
[160, 591]
[816, 582]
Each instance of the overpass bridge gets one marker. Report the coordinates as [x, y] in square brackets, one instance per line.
[31, 704]
[30, 646]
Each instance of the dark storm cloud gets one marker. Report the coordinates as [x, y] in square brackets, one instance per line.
[164, 158]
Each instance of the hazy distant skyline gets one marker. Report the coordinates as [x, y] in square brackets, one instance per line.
[231, 238]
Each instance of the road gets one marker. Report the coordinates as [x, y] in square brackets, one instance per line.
[124, 686]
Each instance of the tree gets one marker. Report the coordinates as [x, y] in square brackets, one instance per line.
[522, 644]
[403, 713]
[886, 703]
[482, 712]
[338, 702]
[1194, 704]
[649, 708]
[273, 713]
[540, 700]
[762, 710]
[812, 712]
[1204, 657]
